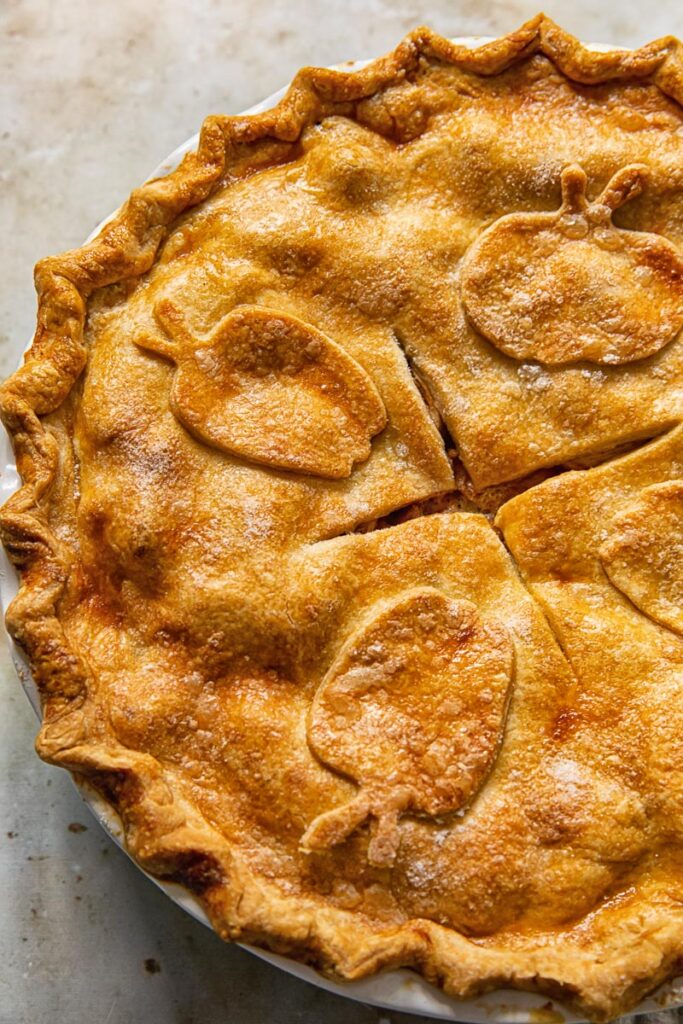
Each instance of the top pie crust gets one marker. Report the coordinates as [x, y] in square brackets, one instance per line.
[443, 743]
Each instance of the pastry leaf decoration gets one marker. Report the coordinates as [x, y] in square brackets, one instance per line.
[271, 389]
[643, 556]
[412, 710]
[569, 285]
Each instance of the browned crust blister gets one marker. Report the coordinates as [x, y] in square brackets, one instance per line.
[166, 834]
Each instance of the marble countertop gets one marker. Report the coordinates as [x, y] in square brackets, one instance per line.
[94, 96]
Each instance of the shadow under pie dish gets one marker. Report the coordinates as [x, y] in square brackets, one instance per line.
[350, 534]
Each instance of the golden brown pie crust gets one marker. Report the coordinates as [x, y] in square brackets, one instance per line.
[397, 746]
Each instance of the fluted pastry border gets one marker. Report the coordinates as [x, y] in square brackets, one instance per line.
[167, 835]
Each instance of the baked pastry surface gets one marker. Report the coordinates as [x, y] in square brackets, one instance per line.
[266, 423]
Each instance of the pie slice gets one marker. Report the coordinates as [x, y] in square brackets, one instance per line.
[267, 418]
[601, 552]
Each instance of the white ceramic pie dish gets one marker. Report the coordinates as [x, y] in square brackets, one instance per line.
[399, 990]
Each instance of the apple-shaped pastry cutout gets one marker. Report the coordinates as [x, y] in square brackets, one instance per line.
[413, 710]
[643, 555]
[271, 389]
[568, 286]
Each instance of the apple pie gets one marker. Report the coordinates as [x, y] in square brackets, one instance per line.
[351, 527]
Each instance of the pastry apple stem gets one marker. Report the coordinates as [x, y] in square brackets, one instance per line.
[333, 827]
[625, 185]
[384, 843]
